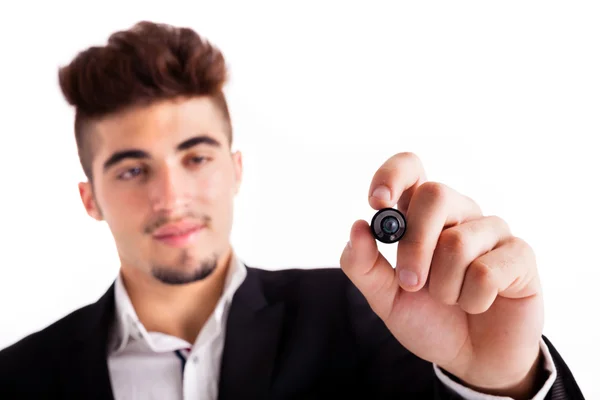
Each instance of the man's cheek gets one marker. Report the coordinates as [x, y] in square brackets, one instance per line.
[214, 188]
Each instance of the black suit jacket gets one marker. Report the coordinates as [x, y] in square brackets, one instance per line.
[291, 334]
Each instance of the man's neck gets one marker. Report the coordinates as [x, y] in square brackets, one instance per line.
[177, 310]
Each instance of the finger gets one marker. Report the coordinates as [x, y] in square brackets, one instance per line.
[457, 248]
[509, 271]
[368, 270]
[433, 207]
[395, 181]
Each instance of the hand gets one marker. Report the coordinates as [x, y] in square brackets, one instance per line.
[465, 293]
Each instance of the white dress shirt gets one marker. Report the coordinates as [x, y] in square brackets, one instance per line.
[151, 365]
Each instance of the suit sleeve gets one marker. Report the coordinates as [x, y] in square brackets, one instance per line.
[549, 377]
[389, 371]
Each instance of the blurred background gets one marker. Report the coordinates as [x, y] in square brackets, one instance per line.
[500, 100]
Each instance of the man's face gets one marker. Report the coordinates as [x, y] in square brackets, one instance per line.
[164, 182]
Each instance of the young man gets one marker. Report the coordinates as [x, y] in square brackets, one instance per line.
[460, 317]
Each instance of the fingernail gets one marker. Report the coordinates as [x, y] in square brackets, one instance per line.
[382, 192]
[408, 278]
[349, 244]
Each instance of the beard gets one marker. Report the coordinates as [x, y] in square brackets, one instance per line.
[174, 276]
[181, 273]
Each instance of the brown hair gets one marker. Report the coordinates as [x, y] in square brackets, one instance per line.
[146, 63]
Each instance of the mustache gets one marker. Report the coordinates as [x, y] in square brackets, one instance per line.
[163, 219]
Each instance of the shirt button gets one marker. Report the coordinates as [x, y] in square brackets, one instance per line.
[195, 359]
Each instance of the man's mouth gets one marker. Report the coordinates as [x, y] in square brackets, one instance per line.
[178, 234]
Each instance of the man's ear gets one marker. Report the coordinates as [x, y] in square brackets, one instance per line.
[88, 198]
[238, 169]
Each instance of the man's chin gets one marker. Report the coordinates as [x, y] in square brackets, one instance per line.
[189, 270]
[174, 277]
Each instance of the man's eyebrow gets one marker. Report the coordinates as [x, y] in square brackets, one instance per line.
[196, 140]
[119, 156]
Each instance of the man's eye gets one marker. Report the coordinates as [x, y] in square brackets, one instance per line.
[131, 173]
[198, 160]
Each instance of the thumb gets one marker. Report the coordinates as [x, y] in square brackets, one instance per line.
[369, 270]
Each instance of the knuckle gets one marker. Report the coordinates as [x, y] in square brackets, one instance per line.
[524, 247]
[481, 275]
[409, 155]
[497, 220]
[453, 241]
[520, 243]
[435, 191]
[476, 207]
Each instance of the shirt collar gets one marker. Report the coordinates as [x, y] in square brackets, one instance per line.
[128, 326]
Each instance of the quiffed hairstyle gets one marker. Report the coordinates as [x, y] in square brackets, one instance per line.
[146, 63]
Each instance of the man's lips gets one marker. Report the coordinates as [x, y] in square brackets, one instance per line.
[175, 229]
[177, 234]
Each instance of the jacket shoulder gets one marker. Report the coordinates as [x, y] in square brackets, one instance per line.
[30, 367]
[40, 344]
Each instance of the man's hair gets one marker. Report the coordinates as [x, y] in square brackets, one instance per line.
[148, 62]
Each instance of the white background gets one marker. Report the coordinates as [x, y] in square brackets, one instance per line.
[500, 100]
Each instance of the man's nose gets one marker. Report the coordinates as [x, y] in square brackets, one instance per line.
[168, 191]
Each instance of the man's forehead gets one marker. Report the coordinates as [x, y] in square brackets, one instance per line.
[165, 115]
[165, 123]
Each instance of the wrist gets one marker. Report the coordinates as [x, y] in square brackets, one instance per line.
[522, 387]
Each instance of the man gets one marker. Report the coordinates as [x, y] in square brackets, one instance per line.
[460, 317]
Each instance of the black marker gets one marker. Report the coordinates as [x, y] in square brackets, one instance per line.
[388, 225]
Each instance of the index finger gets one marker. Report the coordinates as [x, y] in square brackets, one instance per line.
[398, 177]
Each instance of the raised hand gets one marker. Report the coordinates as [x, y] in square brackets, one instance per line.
[465, 293]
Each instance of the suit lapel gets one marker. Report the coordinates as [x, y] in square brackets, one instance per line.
[83, 360]
[251, 342]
